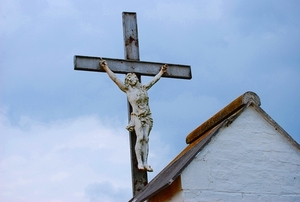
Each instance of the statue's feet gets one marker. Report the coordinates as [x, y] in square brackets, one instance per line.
[145, 167]
[148, 168]
[141, 167]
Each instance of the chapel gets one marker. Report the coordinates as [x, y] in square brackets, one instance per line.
[239, 154]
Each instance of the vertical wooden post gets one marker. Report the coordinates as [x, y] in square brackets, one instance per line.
[130, 33]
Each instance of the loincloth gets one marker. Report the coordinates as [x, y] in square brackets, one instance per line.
[141, 119]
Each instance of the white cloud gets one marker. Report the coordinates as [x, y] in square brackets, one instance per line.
[70, 157]
[68, 154]
[105, 192]
[60, 176]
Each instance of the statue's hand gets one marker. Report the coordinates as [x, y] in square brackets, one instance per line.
[102, 63]
[164, 68]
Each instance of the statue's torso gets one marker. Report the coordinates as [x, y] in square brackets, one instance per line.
[139, 100]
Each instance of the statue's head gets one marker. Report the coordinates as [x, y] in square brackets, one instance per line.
[131, 79]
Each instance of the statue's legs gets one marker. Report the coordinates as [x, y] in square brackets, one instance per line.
[145, 147]
[139, 144]
[142, 127]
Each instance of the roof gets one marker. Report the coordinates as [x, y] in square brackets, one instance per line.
[200, 137]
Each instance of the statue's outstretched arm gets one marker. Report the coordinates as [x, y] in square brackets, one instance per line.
[112, 75]
[163, 69]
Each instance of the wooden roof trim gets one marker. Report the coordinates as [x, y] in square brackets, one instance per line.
[234, 106]
[276, 126]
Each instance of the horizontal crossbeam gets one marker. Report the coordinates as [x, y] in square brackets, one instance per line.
[126, 66]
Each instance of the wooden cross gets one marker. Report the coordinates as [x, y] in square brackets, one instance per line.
[132, 64]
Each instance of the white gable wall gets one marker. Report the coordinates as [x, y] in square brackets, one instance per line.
[247, 161]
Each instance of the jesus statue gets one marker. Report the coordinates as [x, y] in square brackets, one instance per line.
[140, 119]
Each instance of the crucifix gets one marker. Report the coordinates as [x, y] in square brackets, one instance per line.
[133, 67]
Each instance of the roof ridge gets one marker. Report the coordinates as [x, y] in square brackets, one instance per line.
[238, 103]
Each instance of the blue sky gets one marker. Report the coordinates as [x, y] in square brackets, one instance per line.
[62, 131]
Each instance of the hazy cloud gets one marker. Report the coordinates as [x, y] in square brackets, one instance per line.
[106, 192]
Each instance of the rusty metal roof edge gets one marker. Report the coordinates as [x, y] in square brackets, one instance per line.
[235, 105]
[187, 155]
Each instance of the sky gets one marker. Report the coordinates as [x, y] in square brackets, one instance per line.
[62, 132]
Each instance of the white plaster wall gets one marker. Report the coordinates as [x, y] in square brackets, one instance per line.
[247, 161]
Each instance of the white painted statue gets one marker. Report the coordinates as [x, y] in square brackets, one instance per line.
[141, 120]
